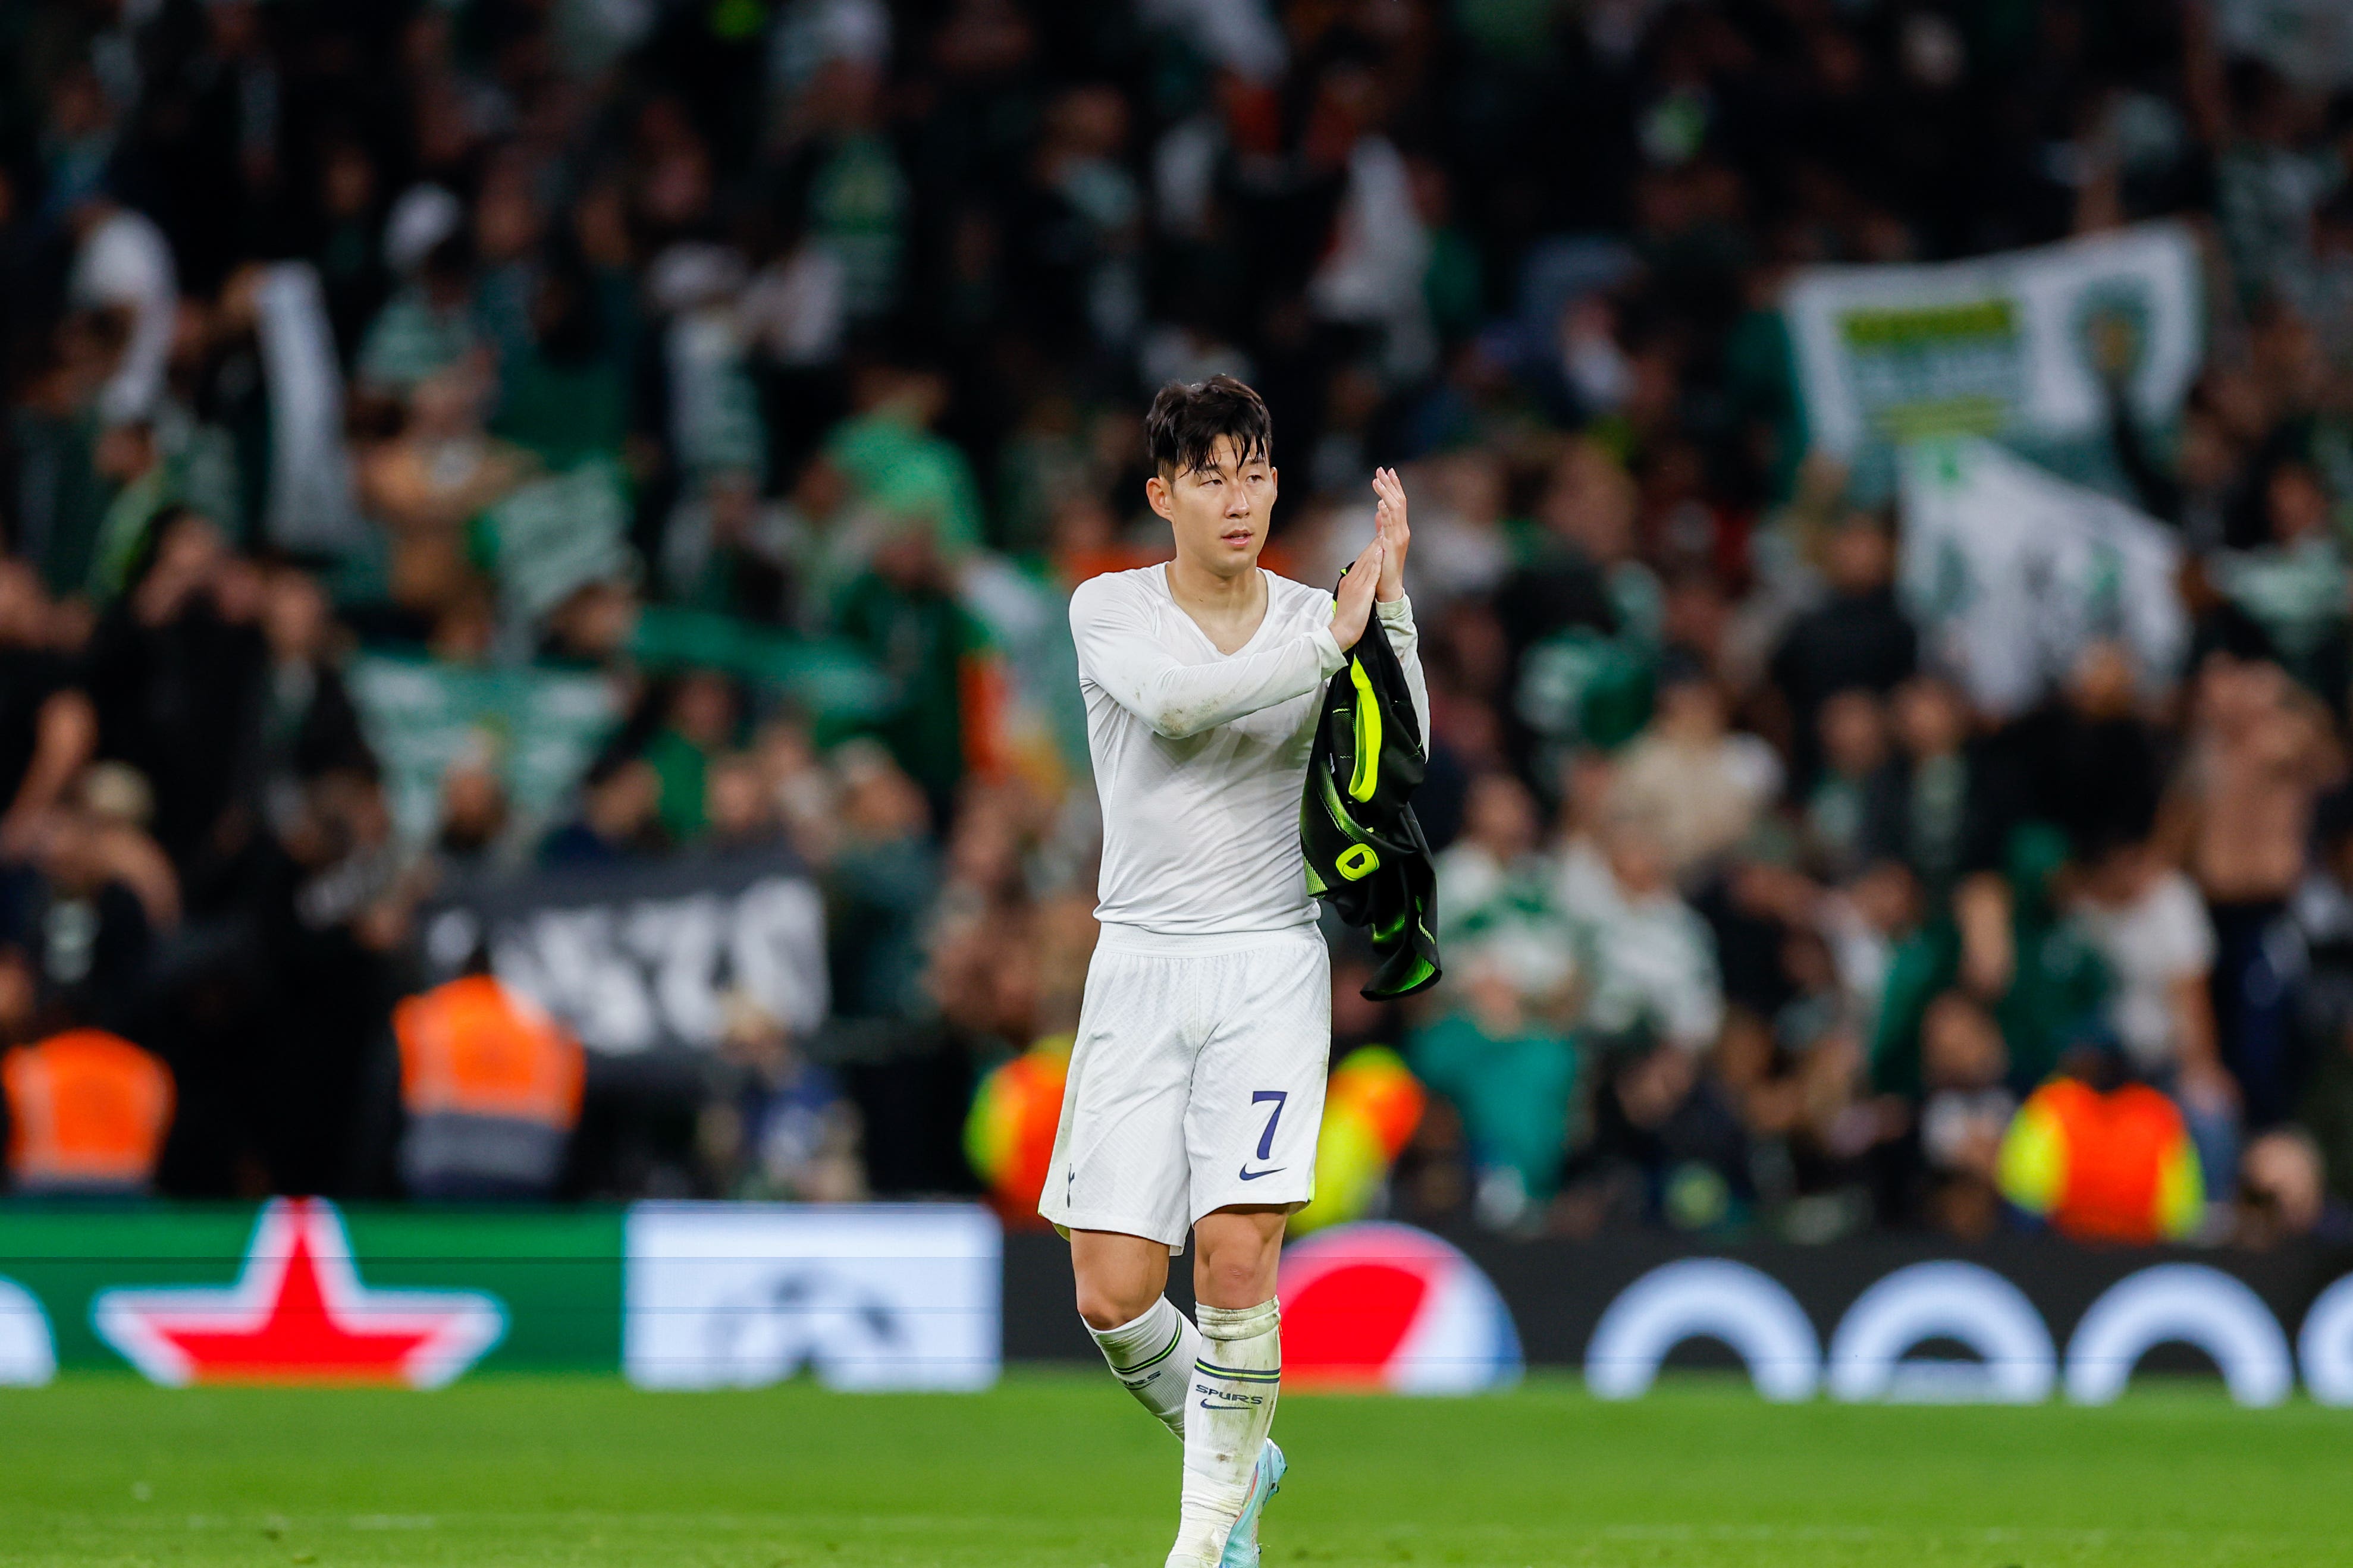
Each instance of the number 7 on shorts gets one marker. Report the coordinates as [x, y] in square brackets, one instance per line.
[1266, 1139]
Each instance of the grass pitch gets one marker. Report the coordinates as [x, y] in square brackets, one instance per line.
[1060, 1470]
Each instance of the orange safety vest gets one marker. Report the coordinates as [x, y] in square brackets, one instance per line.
[472, 1047]
[87, 1111]
[2103, 1167]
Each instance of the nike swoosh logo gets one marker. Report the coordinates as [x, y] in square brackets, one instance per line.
[1250, 1176]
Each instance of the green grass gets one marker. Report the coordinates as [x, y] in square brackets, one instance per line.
[1062, 1471]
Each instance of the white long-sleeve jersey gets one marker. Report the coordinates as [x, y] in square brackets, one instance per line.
[1200, 757]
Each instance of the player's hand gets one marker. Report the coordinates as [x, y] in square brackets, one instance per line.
[1353, 605]
[1390, 529]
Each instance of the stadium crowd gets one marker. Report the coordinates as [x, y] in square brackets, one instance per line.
[696, 349]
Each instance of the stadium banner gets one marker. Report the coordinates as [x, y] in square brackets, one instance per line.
[1897, 1318]
[867, 1296]
[639, 958]
[537, 729]
[934, 1296]
[2006, 347]
[677, 1295]
[300, 1290]
[2011, 573]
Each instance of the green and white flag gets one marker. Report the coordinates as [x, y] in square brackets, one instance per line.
[2011, 573]
[557, 534]
[538, 728]
[2003, 346]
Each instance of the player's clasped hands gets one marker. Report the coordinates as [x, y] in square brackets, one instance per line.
[1353, 603]
[1379, 570]
[1391, 531]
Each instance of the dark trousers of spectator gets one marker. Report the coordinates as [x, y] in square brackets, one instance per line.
[2254, 980]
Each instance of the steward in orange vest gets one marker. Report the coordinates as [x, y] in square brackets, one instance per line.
[86, 1113]
[2117, 1166]
[492, 1085]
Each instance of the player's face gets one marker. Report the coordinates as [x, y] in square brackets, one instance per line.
[1219, 511]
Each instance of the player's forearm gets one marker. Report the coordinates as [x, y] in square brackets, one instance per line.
[1405, 641]
[1181, 700]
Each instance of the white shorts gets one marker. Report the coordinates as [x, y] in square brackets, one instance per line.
[1197, 1081]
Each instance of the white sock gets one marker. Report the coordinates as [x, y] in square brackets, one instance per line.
[1154, 1356]
[1230, 1406]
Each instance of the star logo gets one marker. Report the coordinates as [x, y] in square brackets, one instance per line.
[298, 1313]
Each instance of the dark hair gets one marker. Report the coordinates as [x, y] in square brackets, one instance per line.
[1186, 420]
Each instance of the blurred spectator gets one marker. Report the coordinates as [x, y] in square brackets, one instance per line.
[564, 388]
[2088, 760]
[1496, 900]
[473, 818]
[2259, 752]
[427, 484]
[2007, 944]
[1653, 960]
[1933, 809]
[2283, 1194]
[894, 460]
[904, 613]
[1964, 1114]
[738, 811]
[699, 723]
[880, 881]
[1513, 1079]
[620, 816]
[1702, 786]
[77, 909]
[122, 264]
[427, 327]
[1459, 546]
[803, 795]
[1850, 729]
[47, 726]
[1668, 1145]
[726, 550]
[786, 1133]
[118, 806]
[2150, 928]
[2290, 593]
[1856, 639]
[308, 723]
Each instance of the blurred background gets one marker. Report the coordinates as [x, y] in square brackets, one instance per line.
[533, 658]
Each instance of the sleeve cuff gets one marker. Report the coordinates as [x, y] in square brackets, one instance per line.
[1397, 611]
[1328, 656]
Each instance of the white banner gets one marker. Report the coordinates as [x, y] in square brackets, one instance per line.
[867, 1296]
[1999, 346]
[2010, 573]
